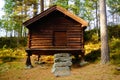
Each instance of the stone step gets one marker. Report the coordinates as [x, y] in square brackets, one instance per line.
[61, 71]
[62, 59]
[62, 64]
[61, 55]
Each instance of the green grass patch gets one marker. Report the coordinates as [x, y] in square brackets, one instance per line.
[7, 59]
[11, 59]
[11, 66]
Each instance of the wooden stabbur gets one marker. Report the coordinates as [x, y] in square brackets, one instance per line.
[55, 30]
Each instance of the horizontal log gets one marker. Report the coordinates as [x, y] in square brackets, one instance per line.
[60, 28]
[57, 47]
[41, 41]
[41, 33]
[41, 44]
[41, 47]
[74, 28]
[74, 39]
[46, 31]
[51, 47]
[74, 44]
[45, 27]
[40, 38]
[74, 31]
[74, 36]
[69, 33]
[76, 47]
[37, 33]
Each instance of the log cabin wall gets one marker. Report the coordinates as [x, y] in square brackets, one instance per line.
[56, 31]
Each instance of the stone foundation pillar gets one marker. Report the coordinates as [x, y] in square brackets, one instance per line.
[62, 64]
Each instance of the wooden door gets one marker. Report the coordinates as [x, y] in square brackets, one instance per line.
[60, 38]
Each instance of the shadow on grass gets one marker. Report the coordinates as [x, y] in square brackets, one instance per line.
[93, 56]
[115, 59]
[7, 59]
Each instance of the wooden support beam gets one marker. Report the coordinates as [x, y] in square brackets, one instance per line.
[28, 60]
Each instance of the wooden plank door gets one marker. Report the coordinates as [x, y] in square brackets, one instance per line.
[60, 38]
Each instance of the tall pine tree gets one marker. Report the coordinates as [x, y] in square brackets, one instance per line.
[105, 57]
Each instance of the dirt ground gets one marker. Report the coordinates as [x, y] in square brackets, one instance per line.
[92, 71]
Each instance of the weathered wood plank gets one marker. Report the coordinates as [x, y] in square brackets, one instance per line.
[40, 44]
[74, 36]
[40, 33]
[74, 31]
[74, 44]
[74, 39]
[41, 41]
[41, 38]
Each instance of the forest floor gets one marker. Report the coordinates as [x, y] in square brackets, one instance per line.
[93, 71]
[12, 65]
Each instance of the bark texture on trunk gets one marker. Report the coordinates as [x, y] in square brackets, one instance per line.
[104, 33]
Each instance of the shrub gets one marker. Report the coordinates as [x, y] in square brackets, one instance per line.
[115, 51]
[12, 42]
[114, 31]
[91, 35]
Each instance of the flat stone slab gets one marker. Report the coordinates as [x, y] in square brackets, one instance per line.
[63, 59]
[61, 71]
[62, 64]
[61, 55]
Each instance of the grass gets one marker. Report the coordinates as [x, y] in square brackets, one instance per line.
[93, 71]
[11, 58]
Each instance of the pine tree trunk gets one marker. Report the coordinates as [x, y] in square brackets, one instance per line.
[35, 7]
[104, 34]
[42, 5]
[97, 28]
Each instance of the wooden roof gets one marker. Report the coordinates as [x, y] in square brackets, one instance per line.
[54, 8]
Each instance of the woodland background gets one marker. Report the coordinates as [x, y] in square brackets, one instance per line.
[13, 44]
